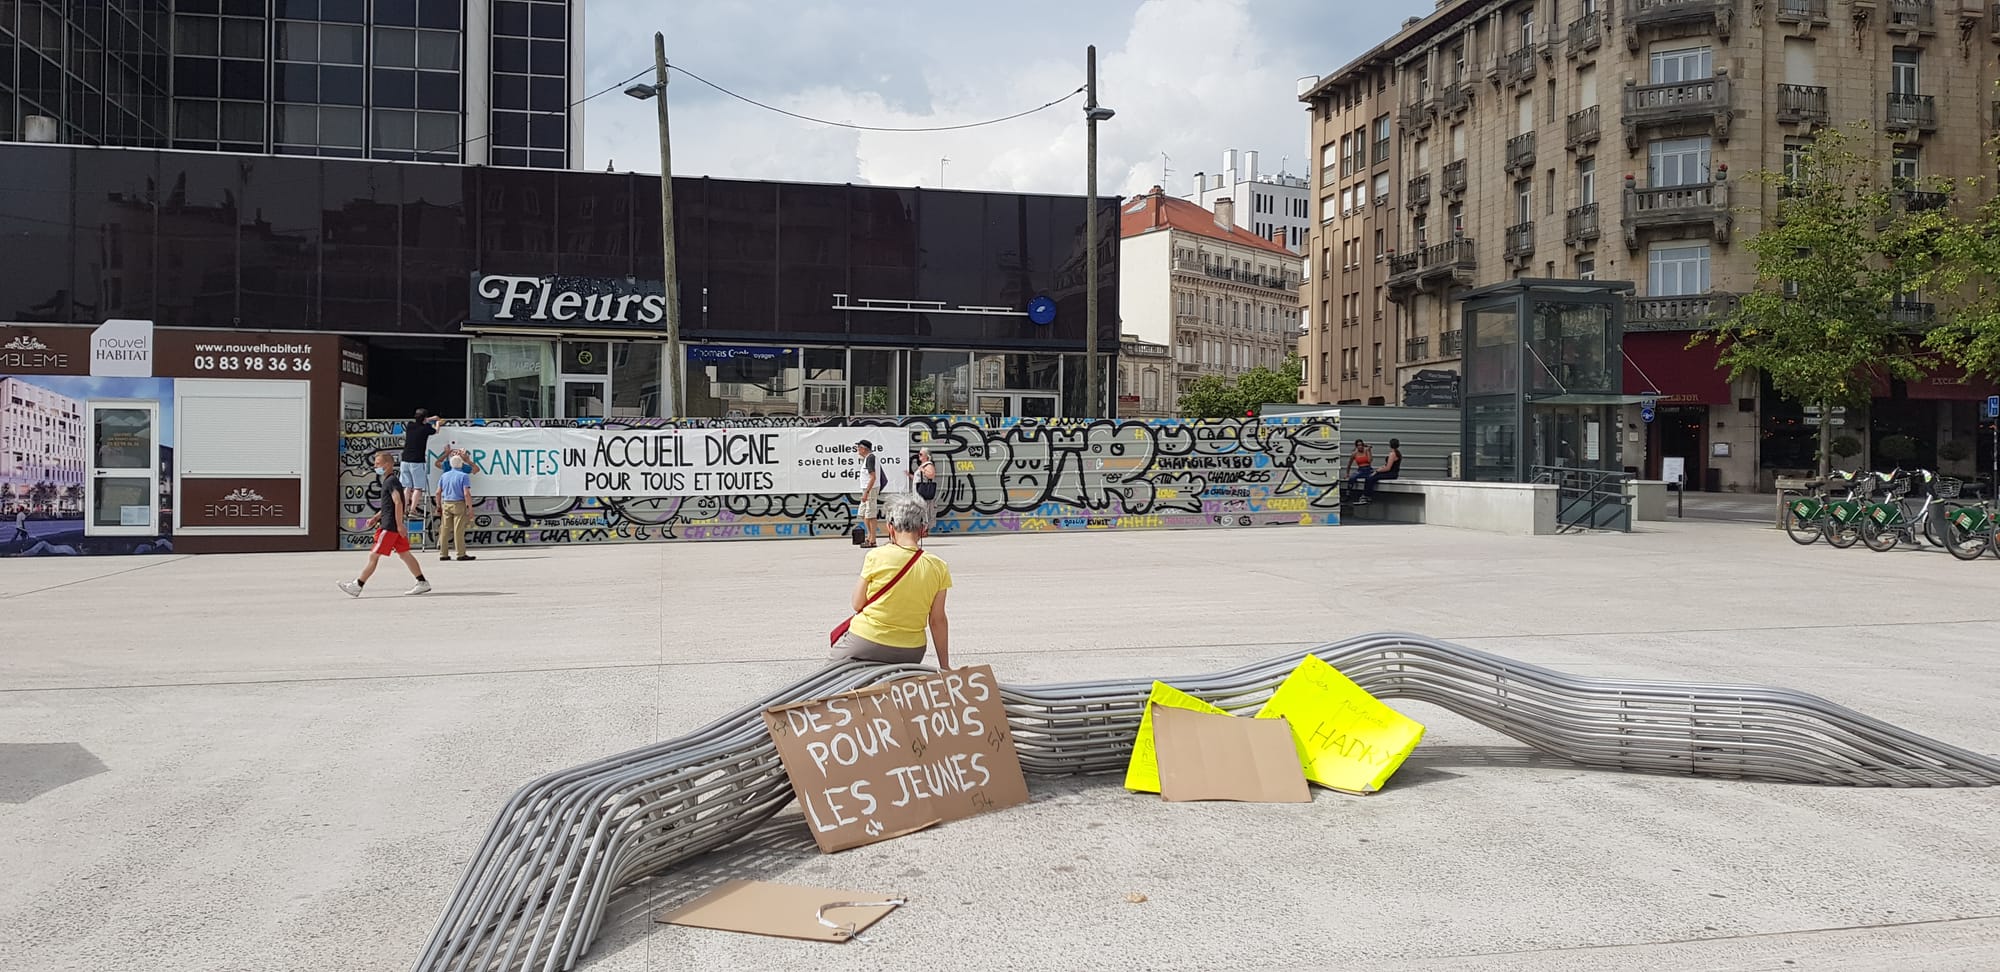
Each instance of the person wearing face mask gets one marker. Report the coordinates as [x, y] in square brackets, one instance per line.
[454, 494]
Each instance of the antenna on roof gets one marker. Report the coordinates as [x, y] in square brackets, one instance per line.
[1166, 170]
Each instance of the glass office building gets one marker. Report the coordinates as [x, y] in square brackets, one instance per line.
[490, 81]
[505, 292]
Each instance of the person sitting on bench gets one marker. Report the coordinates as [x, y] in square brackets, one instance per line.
[1394, 468]
[1364, 470]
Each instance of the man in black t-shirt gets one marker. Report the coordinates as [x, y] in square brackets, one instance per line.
[871, 494]
[415, 468]
[391, 537]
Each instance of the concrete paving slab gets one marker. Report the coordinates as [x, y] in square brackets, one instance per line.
[292, 779]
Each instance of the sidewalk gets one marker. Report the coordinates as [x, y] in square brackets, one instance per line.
[221, 762]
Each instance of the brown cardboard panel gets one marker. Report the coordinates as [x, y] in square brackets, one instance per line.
[885, 761]
[1218, 757]
[780, 910]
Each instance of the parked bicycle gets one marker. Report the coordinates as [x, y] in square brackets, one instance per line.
[1829, 509]
[1905, 514]
[1969, 530]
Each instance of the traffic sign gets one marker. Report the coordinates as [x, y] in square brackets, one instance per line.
[1993, 406]
[1042, 310]
[1645, 413]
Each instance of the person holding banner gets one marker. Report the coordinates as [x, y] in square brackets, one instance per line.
[899, 595]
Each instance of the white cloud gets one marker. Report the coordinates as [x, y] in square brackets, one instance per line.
[1189, 78]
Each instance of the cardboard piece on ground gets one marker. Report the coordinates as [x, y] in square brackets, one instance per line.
[895, 758]
[1142, 774]
[1347, 739]
[1203, 756]
[781, 910]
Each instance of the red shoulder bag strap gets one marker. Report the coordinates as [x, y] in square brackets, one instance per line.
[892, 581]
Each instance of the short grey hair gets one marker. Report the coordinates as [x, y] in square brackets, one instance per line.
[906, 512]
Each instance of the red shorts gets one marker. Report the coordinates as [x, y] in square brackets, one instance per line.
[390, 542]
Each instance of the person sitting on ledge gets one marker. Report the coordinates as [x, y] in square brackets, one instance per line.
[890, 627]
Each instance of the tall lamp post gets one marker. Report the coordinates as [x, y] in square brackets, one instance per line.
[1092, 114]
[670, 280]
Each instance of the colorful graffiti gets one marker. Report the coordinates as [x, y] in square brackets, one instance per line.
[1013, 475]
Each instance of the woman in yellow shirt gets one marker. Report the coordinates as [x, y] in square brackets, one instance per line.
[891, 628]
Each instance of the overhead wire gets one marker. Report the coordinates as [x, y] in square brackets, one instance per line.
[873, 128]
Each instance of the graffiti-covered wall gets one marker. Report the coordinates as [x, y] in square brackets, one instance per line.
[1016, 475]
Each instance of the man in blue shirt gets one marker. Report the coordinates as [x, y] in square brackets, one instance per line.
[454, 493]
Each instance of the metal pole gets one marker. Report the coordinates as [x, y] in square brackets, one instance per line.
[1093, 407]
[670, 282]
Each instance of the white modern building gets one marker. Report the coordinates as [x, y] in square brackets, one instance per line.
[1223, 298]
[44, 435]
[1271, 205]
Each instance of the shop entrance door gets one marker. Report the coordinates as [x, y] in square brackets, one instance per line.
[122, 491]
[584, 397]
[1017, 405]
[1681, 430]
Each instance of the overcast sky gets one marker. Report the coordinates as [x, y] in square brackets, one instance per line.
[1188, 78]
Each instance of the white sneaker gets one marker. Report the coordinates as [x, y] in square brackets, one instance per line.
[423, 587]
[350, 588]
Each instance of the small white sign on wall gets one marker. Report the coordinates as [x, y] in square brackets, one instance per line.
[1673, 469]
[122, 349]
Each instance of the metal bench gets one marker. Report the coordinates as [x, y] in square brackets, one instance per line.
[535, 893]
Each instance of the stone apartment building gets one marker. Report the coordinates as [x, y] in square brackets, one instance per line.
[1224, 299]
[1617, 140]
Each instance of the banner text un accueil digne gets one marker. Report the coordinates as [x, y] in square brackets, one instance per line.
[674, 462]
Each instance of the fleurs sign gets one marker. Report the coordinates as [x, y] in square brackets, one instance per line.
[240, 502]
[568, 303]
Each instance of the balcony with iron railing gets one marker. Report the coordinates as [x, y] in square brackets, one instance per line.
[1921, 200]
[1584, 127]
[1521, 151]
[1250, 277]
[1700, 106]
[1520, 240]
[1519, 65]
[1702, 206]
[1912, 15]
[1586, 33]
[1802, 103]
[1455, 99]
[1692, 312]
[1417, 194]
[1416, 349]
[1580, 225]
[1452, 179]
[1454, 261]
[1451, 344]
[1905, 112]
[1417, 116]
[1810, 12]
[1643, 14]
[1910, 312]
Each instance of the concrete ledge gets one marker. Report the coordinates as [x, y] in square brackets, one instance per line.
[1649, 499]
[1516, 509]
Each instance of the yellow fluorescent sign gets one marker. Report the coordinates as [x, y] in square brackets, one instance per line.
[1143, 773]
[1347, 739]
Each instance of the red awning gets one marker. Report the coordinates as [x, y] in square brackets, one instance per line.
[1945, 383]
[1661, 362]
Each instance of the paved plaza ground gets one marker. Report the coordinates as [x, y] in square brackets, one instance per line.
[222, 763]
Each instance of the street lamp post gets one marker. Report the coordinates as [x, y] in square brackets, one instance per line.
[1092, 114]
[670, 279]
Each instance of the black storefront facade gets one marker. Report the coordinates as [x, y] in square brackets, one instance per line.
[516, 293]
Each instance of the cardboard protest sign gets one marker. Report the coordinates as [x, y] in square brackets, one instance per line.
[1347, 739]
[784, 911]
[1204, 756]
[1143, 772]
[885, 761]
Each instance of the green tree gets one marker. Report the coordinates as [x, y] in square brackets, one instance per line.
[1212, 396]
[1840, 249]
[1968, 259]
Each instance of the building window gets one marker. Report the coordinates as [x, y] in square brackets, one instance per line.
[1382, 189]
[1586, 268]
[1677, 162]
[1379, 245]
[1677, 270]
[1382, 139]
[1586, 182]
[1903, 71]
[1679, 66]
[1524, 200]
[530, 98]
[1795, 161]
[1903, 167]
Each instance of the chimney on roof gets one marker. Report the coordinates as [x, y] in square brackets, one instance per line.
[1200, 183]
[1250, 165]
[1157, 202]
[1225, 212]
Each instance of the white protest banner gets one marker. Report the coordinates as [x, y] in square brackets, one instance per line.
[674, 462]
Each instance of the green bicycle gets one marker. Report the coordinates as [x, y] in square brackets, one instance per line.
[1969, 531]
[1903, 517]
[1832, 510]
